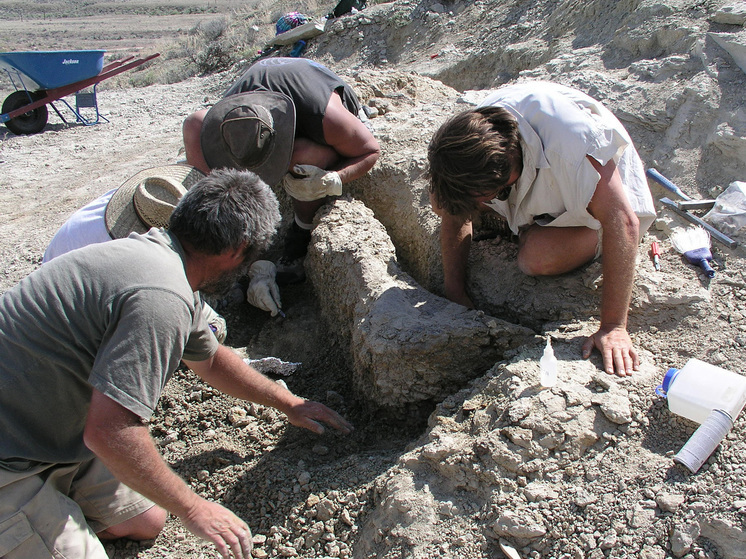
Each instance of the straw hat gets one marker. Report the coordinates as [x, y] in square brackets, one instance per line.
[147, 199]
[254, 131]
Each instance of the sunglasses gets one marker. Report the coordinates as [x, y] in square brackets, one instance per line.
[502, 193]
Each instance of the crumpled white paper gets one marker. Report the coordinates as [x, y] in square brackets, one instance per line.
[728, 215]
[273, 366]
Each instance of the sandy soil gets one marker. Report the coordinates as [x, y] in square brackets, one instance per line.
[118, 32]
[418, 488]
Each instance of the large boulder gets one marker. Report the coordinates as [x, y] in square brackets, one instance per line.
[407, 345]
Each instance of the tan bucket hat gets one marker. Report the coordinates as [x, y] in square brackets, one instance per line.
[148, 198]
[253, 131]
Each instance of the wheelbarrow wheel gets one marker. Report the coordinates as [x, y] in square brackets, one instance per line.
[31, 122]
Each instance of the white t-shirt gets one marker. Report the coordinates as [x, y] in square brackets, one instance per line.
[85, 227]
[559, 126]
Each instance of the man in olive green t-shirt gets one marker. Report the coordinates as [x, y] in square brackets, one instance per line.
[89, 341]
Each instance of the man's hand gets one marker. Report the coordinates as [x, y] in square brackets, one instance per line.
[307, 183]
[263, 291]
[123, 443]
[615, 345]
[310, 415]
[227, 372]
[215, 523]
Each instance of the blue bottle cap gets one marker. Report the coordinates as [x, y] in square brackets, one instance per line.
[662, 389]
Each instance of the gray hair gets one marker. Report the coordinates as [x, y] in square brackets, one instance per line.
[225, 209]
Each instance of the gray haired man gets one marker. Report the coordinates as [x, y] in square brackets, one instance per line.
[88, 342]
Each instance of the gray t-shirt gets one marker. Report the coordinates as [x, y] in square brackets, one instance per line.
[309, 85]
[117, 316]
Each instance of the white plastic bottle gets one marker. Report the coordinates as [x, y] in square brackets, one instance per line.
[698, 388]
[548, 366]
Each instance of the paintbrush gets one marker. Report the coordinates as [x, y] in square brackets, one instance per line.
[694, 244]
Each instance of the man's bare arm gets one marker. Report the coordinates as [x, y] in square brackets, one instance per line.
[123, 443]
[455, 244]
[620, 239]
[227, 372]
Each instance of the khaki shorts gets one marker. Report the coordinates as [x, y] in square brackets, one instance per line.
[56, 511]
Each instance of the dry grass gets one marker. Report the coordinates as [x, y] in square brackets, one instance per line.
[194, 37]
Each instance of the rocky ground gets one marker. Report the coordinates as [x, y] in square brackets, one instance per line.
[498, 468]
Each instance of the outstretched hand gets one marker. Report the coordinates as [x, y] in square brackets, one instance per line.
[217, 524]
[314, 415]
[616, 348]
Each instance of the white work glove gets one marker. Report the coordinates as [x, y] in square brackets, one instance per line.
[263, 291]
[307, 183]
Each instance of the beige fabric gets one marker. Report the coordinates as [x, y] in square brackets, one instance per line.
[56, 511]
[155, 200]
[145, 198]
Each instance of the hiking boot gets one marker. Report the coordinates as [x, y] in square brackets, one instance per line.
[290, 266]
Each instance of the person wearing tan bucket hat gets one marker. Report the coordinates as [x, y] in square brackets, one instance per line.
[114, 215]
[294, 122]
[145, 200]
[254, 131]
[89, 342]
[148, 199]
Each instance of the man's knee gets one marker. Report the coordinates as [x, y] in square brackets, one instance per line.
[529, 265]
[530, 260]
[192, 127]
[144, 526]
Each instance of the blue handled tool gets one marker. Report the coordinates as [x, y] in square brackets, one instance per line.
[667, 184]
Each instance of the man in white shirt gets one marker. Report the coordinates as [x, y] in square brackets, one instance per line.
[562, 171]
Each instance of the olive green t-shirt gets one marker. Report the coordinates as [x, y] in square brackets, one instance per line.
[117, 316]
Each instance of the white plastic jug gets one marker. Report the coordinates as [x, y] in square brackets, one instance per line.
[698, 388]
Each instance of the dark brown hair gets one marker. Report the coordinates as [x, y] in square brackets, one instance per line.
[473, 154]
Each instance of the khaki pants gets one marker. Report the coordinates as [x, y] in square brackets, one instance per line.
[56, 510]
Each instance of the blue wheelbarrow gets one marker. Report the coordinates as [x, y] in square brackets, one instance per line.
[42, 77]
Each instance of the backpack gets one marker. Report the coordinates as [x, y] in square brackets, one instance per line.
[345, 7]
